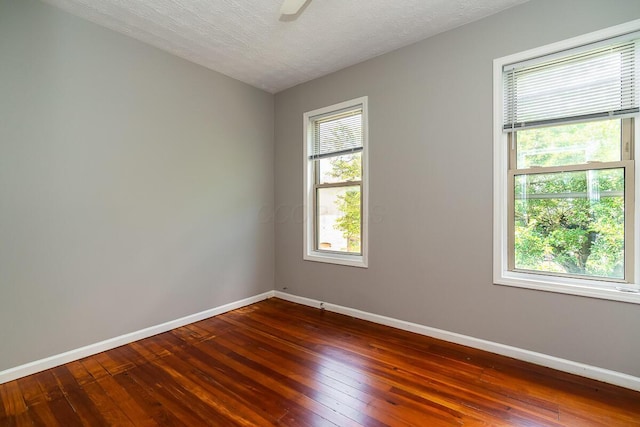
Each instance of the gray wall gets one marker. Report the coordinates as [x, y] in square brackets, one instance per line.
[131, 185]
[135, 186]
[430, 126]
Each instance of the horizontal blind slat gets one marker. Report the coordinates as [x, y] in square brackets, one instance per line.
[597, 82]
[337, 134]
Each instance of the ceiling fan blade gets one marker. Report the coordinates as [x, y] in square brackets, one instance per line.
[291, 7]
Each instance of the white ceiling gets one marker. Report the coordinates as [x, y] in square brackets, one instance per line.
[249, 40]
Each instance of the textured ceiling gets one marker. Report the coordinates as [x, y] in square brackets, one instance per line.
[250, 41]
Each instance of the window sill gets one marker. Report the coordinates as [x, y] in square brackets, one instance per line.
[332, 258]
[580, 287]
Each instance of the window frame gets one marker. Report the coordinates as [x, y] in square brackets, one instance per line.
[503, 200]
[311, 185]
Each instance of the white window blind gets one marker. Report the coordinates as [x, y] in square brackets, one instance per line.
[337, 134]
[594, 81]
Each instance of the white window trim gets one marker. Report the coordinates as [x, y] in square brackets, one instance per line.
[309, 252]
[566, 285]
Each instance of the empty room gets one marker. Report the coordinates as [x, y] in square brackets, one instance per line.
[319, 213]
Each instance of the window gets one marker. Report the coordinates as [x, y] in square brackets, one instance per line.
[335, 162]
[564, 179]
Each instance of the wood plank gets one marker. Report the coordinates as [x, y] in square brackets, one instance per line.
[283, 386]
[12, 399]
[42, 415]
[225, 406]
[114, 391]
[58, 405]
[245, 389]
[172, 394]
[146, 399]
[279, 363]
[81, 403]
[32, 392]
[106, 406]
[401, 371]
[374, 405]
[37, 401]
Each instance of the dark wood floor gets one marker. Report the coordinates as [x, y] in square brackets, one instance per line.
[280, 363]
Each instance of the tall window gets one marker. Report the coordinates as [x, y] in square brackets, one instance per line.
[565, 191]
[336, 183]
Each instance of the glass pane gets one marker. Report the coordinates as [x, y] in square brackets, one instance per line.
[571, 222]
[339, 219]
[340, 168]
[577, 143]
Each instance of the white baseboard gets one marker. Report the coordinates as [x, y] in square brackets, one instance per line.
[588, 371]
[69, 356]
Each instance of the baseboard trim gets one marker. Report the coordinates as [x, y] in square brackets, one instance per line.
[588, 371]
[76, 354]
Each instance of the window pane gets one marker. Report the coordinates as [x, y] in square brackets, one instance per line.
[571, 222]
[340, 168]
[577, 143]
[338, 219]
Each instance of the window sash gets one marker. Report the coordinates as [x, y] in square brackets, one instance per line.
[593, 81]
[341, 184]
[629, 215]
[626, 162]
[316, 233]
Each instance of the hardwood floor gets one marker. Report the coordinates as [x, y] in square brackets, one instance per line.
[280, 363]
